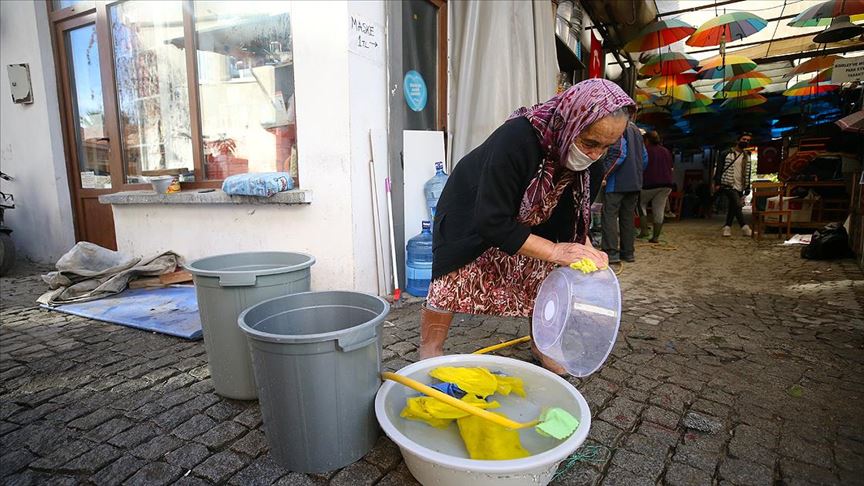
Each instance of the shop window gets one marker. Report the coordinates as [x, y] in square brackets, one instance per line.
[246, 87]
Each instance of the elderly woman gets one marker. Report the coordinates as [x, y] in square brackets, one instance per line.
[517, 207]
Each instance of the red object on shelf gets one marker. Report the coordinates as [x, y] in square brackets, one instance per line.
[220, 166]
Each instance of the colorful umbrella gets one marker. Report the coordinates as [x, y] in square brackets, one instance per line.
[662, 82]
[824, 76]
[743, 82]
[804, 88]
[815, 64]
[702, 100]
[643, 96]
[699, 110]
[821, 15]
[726, 28]
[683, 92]
[744, 102]
[659, 34]
[667, 64]
[722, 95]
[720, 68]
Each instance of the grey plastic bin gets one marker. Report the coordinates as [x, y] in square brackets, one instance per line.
[226, 285]
[317, 359]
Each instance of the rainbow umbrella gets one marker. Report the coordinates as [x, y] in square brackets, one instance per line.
[815, 64]
[726, 28]
[662, 82]
[744, 102]
[659, 34]
[702, 100]
[743, 82]
[804, 88]
[643, 96]
[723, 95]
[667, 64]
[731, 66]
[699, 110]
[824, 76]
[821, 15]
[683, 92]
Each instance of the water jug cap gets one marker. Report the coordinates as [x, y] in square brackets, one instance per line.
[439, 165]
[426, 225]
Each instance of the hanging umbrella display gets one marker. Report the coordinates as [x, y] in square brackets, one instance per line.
[699, 110]
[667, 64]
[814, 64]
[743, 102]
[683, 92]
[726, 28]
[821, 15]
[804, 88]
[643, 96]
[723, 95]
[743, 82]
[701, 100]
[662, 82]
[824, 76]
[852, 123]
[720, 68]
[653, 115]
[659, 34]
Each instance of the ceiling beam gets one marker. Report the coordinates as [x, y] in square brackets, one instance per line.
[696, 9]
[816, 52]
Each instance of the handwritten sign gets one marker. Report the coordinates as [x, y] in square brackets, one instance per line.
[366, 39]
[848, 70]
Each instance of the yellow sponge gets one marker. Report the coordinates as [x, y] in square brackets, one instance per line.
[584, 265]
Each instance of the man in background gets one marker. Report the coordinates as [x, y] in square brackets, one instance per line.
[623, 166]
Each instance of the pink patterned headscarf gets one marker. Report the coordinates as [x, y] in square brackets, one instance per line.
[557, 123]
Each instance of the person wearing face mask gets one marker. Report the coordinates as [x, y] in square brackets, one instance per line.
[734, 183]
[517, 207]
[623, 165]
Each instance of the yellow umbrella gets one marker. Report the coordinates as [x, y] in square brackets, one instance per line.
[661, 82]
[720, 67]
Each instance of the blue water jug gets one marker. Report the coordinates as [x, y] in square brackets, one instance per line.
[433, 187]
[419, 262]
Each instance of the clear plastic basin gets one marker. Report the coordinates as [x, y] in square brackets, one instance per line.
[576, 318]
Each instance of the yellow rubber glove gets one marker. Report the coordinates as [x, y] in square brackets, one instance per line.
[476, 381]
[508, 384]
[439, 414]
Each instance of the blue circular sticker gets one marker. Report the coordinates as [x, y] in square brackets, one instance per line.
[415, 91]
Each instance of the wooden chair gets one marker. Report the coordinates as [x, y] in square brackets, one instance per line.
[764, 191]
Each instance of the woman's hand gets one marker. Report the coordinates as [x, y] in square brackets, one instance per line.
[566, 253]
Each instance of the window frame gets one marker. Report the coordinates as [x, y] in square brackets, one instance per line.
[117, 165]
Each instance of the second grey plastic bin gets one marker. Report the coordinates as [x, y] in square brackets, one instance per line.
[226, 285]
[317, 359]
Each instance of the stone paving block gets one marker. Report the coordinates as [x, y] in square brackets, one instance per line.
[6, 427]
[619, 476]
[622, 412]
[109, 429]
[696, 457]
[648, 446]
[226, 409]
[200, 402]
[298, 479]
[157, 447]
[155, 474]
[220, 466]
[739, 471]
[252, 444]
[360, 473]
[191, 481]
[742, 449]
[61, 455]
[794, 473]
[671, 397]
[385, 455]
[29, 415]
[187, 456]
[36, 478]
[678, 474]
[91, 420]
[263, 471]
[605, 433]
[807, 452]
[203, 386]
[221, 434]
[118, 471]
[169, 419]
[92, 460]
[648, 467]
[251, 417]
[195, 426]
[12, 461]
[134, 436]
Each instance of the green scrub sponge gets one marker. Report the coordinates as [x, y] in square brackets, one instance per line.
[557, 423]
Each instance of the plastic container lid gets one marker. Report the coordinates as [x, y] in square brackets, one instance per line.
[576, 318]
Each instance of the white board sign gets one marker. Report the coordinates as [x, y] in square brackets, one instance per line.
[848, 70]
[421, 149]
[366, 39]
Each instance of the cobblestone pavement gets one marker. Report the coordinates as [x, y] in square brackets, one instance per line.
[737, 363]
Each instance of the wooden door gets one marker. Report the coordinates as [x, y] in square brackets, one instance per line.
[89, 144]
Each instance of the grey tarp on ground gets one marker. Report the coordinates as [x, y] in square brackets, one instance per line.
[89, 272]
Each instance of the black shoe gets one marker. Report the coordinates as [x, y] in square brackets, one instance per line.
[629, 258]
[614, 259]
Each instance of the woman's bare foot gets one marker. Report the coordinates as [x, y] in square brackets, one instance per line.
[548, 362]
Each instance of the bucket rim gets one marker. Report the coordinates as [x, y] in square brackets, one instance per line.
[200, 272]
[257, 335]
[550, 457]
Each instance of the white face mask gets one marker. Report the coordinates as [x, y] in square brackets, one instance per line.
[578, 161]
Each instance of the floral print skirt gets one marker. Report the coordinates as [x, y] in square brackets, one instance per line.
[495, 284]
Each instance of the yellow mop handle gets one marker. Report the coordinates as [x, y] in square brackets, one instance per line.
[455, 402]
[496, 347]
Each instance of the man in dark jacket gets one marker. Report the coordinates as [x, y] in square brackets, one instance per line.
[623, 166]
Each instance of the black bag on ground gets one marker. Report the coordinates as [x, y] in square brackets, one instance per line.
[829, 243]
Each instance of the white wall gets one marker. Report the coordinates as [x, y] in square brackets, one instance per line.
[31, 141]
[339, 97]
